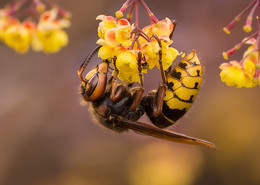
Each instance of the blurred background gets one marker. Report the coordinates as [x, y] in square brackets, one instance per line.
[48, 138]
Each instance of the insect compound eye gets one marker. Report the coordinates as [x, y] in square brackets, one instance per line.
[91, 73]
[96, 82]
[91, 85]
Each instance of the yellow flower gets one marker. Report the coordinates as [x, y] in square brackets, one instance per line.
[114, 33]
[126, 64]
[234, 74]
[168, 54]
[5, 22]
[106, 52]
[242, 75]
[51, 40]
[161, 28]
[110, 37]
[123, 35]
[122, 22]
[18, 37]
[106, 24]
[49, 34]
[249, 70]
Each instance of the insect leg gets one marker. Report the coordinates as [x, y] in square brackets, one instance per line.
[139, 93]
[162, 87]
[117, 89]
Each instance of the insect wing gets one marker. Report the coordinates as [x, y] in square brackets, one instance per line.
[164, 134]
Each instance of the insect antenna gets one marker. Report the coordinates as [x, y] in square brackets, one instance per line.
[86, 62]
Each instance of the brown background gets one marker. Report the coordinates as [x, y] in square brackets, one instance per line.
[47, 138]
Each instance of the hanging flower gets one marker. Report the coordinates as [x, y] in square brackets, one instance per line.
[120, 40]
[44, 34]
[106, 24]
[235, 74]
[161, 28]
[168, 54]
[126, 64]
[123, 35]
[18, 37]
[246, 72]
[49, 32]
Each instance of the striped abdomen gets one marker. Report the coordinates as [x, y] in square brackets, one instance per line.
[183, 83]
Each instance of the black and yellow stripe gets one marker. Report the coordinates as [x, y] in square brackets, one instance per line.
[183, 83]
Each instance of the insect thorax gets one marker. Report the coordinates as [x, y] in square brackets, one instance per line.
[107, 112]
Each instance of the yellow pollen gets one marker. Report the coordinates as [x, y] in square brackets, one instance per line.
[237, 47]
[119, 14]
[247, 28]
[226, 30]
[225, 56]
[237, 19]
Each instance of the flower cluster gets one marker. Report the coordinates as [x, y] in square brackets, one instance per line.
[122, 42]
[245, 73]
[241, 74]
[41, 29]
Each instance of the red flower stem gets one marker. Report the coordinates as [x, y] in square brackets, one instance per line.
[253, 9]
[144, 35]
[130, 13]
[16, 6]
[245, 10]
[34, 12]
[237, 18]
[136, 15]
[26, 8]
[124, 6]
[153, 19]
[131, 3]
[238, 46]
[62, 12]
[250, 15]
[247, 39]
[257, 73]
[135, 39]
[258, 21]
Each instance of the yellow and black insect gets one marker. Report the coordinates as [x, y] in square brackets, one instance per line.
[118, 106]
[183, 83]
